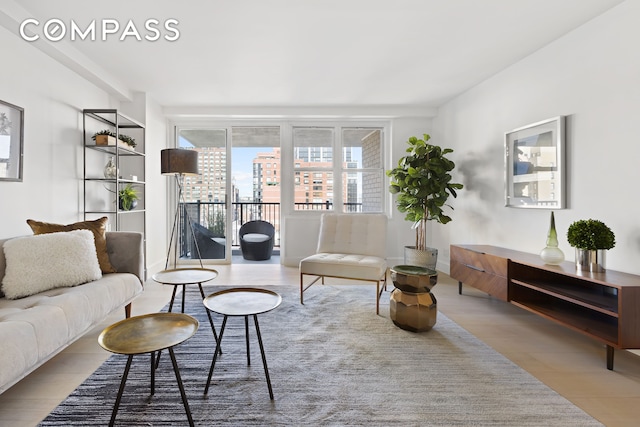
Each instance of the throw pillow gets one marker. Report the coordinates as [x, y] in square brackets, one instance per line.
[98, 227]
[54, 260]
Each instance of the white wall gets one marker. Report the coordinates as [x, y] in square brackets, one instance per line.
[53, 98]
[591, 75]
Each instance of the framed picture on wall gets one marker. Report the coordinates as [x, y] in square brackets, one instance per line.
[11, 141]
[534, 165]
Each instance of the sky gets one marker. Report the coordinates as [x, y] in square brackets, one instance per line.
[242, 168]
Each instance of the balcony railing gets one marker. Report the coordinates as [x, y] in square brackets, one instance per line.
[212, 216]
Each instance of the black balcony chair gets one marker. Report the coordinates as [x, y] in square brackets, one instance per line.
[210, 245]
[256, 240]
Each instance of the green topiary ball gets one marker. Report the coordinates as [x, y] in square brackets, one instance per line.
[590, 234]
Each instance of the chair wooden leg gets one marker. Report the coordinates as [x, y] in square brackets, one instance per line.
[301, 290]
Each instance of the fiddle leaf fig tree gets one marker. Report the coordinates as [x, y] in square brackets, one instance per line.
[423, 184]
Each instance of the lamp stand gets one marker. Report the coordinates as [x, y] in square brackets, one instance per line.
[174, 229]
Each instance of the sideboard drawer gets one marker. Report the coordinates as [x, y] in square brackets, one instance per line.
[482, 261]
[483, 271]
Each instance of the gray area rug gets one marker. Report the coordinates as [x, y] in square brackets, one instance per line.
[332, 362]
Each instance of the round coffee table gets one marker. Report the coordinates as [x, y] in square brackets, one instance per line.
[187, 276]
[149, 333]
[243, 302]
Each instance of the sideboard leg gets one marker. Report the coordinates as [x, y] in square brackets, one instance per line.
[459, 288]
[610, 358]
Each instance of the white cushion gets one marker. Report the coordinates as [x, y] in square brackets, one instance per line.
[364, 234]
[350, 266]
[47, 261]
[255, 237]
[220, 240]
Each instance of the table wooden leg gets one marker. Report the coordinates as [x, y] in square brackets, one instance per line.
[610, 352]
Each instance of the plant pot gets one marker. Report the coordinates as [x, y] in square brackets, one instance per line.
[591, 260]
[110, 141]
[421, 258]
[134, 203]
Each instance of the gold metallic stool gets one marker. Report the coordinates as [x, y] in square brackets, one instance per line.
[412, 306]
[242, 302]
[148, 334]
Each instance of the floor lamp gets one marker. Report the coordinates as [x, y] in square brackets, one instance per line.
[179, 162]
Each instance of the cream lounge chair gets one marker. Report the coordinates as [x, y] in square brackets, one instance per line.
[350, 246]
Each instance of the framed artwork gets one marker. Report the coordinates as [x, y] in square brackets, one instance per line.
[11, 141]
[534, 165]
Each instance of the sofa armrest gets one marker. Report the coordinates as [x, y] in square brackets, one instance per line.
[126, 253]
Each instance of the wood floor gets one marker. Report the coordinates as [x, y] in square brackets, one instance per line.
[566, 361]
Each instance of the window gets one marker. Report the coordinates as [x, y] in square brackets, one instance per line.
[357, 169]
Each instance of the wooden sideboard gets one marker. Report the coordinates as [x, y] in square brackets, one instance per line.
[604, 306]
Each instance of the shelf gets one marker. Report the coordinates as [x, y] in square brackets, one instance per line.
[119, 212]
[583, 321]
[585, 297]
[113, 117]
[100, 194]
[113, 181]
[115, 150]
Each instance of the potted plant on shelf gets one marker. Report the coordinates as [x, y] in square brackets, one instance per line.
[127, 198]
[108, 137]
[422, 181]
[127, 140]
[591, 238]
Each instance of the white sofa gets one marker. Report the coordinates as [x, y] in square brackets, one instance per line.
[350, 246]
[35, 328]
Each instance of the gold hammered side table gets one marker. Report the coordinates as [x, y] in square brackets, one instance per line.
[412, 306]
[149, 333]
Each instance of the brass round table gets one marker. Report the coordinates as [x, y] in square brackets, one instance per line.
[412, 305]
[243, 302]
[149, 333]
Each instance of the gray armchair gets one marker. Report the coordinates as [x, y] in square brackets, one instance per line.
[210, 245]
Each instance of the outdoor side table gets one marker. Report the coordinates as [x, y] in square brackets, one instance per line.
[243, 302]
[149, 333]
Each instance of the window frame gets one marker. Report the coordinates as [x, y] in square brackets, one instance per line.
[338, 167]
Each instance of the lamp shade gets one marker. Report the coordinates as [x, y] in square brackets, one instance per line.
[178, 161]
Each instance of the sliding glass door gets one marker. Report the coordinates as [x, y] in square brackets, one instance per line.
[205, 200]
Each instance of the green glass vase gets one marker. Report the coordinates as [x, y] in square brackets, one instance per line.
[552, 254]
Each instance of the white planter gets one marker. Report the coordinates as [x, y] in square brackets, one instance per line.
[421, 258]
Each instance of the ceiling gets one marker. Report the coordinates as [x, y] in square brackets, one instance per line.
[315, 53]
